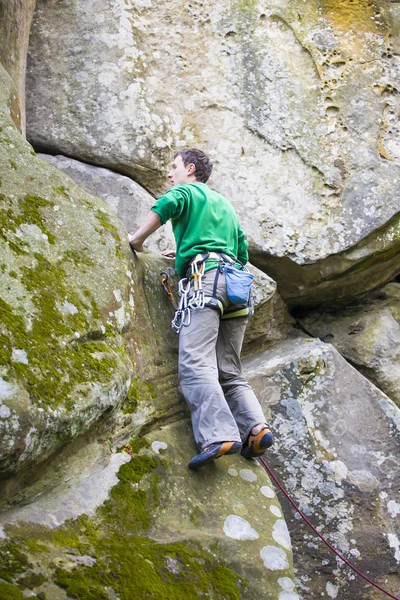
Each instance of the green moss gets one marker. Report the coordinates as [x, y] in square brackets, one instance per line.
[29, 213]
[129, 562]
[30, 207]
[13, 274]
[62, 191]
[138, 443]
[79, 584]
[5, 349]
[104, 220]
[32, 580]
[13, 164]
[10, 592]
[54, 369]
[134, 470]
[12, 561]
[78, 258]
[139, 391]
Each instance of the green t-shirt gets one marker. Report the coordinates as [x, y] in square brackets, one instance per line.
[202, 221]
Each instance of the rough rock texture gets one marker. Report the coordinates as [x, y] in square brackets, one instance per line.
[368, 335]
[295, 101]
[164, 532]
[15, 23]
[337, 453]
[65, 302]
[125, 198]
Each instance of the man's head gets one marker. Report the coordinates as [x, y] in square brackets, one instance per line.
[190, 165]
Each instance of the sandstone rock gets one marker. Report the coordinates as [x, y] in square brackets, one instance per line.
[368, 335]
[66, 302]
[336, 451]
[271, 320]
[163, 532]
[15, 24]
[295, 102]
[125, 198]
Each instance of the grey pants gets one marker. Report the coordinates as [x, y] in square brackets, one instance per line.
[222, 403]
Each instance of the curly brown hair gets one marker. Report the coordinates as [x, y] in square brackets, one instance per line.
[200, 160]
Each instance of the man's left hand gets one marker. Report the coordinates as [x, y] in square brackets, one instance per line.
[135, 243]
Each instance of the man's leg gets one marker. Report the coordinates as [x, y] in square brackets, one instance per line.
[241, 399]
[198, 375]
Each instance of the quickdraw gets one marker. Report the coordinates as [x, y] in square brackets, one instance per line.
[167, 288]
[198, 299]
[182, 313]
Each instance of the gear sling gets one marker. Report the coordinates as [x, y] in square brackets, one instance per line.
[239, 289]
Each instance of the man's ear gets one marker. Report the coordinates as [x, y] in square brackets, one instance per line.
[191, 168]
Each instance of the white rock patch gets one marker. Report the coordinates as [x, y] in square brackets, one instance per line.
[5, 412]
[274, 558]
[281, 534]
[332, 590]
[19, 356]
[70, 308]
[275, 511]
[393, 508]
[286, 584]
[288, 596]
[239, 529]
[395, 544]
[157, 446]
[248, 475]
[117, 295]
[6, 390]
[267, 491]
[233, 472]
[364, 480]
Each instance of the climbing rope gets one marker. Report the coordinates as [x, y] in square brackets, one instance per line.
[292, 502]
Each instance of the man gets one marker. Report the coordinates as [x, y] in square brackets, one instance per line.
[226, 414]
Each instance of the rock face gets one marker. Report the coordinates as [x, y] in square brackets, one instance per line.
[164, 532]
[66, 301]
[368, 335]
[336, 450]
[15, 24]
[295, 102]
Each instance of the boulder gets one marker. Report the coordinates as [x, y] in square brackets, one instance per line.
[129, 201]
[295, 102]
[367, 335]
[66, 303]
[336, 451]
[15, 24]
[162, 531]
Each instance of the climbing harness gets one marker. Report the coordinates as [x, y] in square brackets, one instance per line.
[292, 502]
[198, 300]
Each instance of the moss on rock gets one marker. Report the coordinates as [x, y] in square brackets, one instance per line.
[64, 304]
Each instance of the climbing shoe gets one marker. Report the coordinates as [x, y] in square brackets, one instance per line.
[212, 452]
[256, 445]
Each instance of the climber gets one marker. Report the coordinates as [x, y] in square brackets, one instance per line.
[210, 244]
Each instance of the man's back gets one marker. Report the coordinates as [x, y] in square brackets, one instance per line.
[202, 220]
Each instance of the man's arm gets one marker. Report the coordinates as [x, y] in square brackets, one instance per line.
[243, 255]
[151, 223]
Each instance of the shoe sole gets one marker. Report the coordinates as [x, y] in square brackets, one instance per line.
[224, 450]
